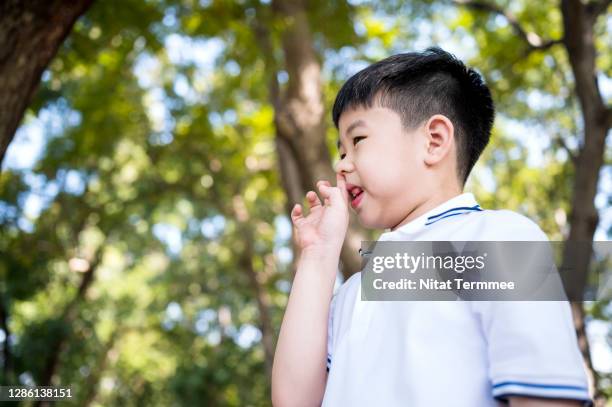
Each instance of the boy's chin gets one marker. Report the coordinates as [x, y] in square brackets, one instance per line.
[370, 223]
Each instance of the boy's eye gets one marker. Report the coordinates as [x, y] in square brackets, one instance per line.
[342, 156]
[358, 139]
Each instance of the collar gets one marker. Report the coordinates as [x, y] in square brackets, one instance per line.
[458, 205]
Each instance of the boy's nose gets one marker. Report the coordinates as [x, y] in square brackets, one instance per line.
[344, 166]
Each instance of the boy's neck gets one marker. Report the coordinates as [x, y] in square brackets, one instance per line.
[435, 200]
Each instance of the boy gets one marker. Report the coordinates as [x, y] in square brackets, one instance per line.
[411, 128]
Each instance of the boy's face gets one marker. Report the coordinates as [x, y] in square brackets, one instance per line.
[383, 165]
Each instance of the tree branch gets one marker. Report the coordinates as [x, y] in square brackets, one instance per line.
[68, 316]
[572, 155]
[596, 8]
[533, 40]
[257, 285]
[97, 370]
[262, 34]
[31, 32]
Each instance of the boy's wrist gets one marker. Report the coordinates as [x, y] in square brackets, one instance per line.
[321, 258]
[318, 265]
[322, 252]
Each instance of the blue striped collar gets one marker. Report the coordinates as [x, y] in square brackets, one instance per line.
[459, 210]
[459, 205]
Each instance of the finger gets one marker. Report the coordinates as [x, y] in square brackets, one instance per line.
[330, 194]
[333, 196]
[313, 199]
[341, 184]
[296, 213]
[320, 183]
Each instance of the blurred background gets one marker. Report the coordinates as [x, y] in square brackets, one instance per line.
[151, 150]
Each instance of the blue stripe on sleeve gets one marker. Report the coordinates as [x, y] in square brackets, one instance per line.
[541, 386]
[503, 390]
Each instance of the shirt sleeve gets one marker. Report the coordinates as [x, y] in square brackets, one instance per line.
[330, 331]
[532, 345]
[533, 350]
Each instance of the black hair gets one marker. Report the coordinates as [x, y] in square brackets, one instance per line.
[418, 85]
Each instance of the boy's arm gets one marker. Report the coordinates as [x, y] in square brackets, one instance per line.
[538, 402]
[299, 374]
[299, 369]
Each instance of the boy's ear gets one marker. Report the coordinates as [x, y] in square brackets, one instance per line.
[440, 134]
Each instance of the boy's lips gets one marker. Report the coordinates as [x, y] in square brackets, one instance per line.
[355, 193]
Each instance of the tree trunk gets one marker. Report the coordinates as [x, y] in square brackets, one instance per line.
[258, 286]
[300, 120]
[97, 370]
[69, 315]
[578, 21]
[31, 32]
[7, 357]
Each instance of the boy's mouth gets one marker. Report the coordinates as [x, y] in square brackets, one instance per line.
[356, 194]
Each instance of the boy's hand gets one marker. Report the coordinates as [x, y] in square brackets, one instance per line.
[325, 223]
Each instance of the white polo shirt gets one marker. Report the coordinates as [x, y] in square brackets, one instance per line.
[453, 353]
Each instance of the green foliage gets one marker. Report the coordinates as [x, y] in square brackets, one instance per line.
[164, 167]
